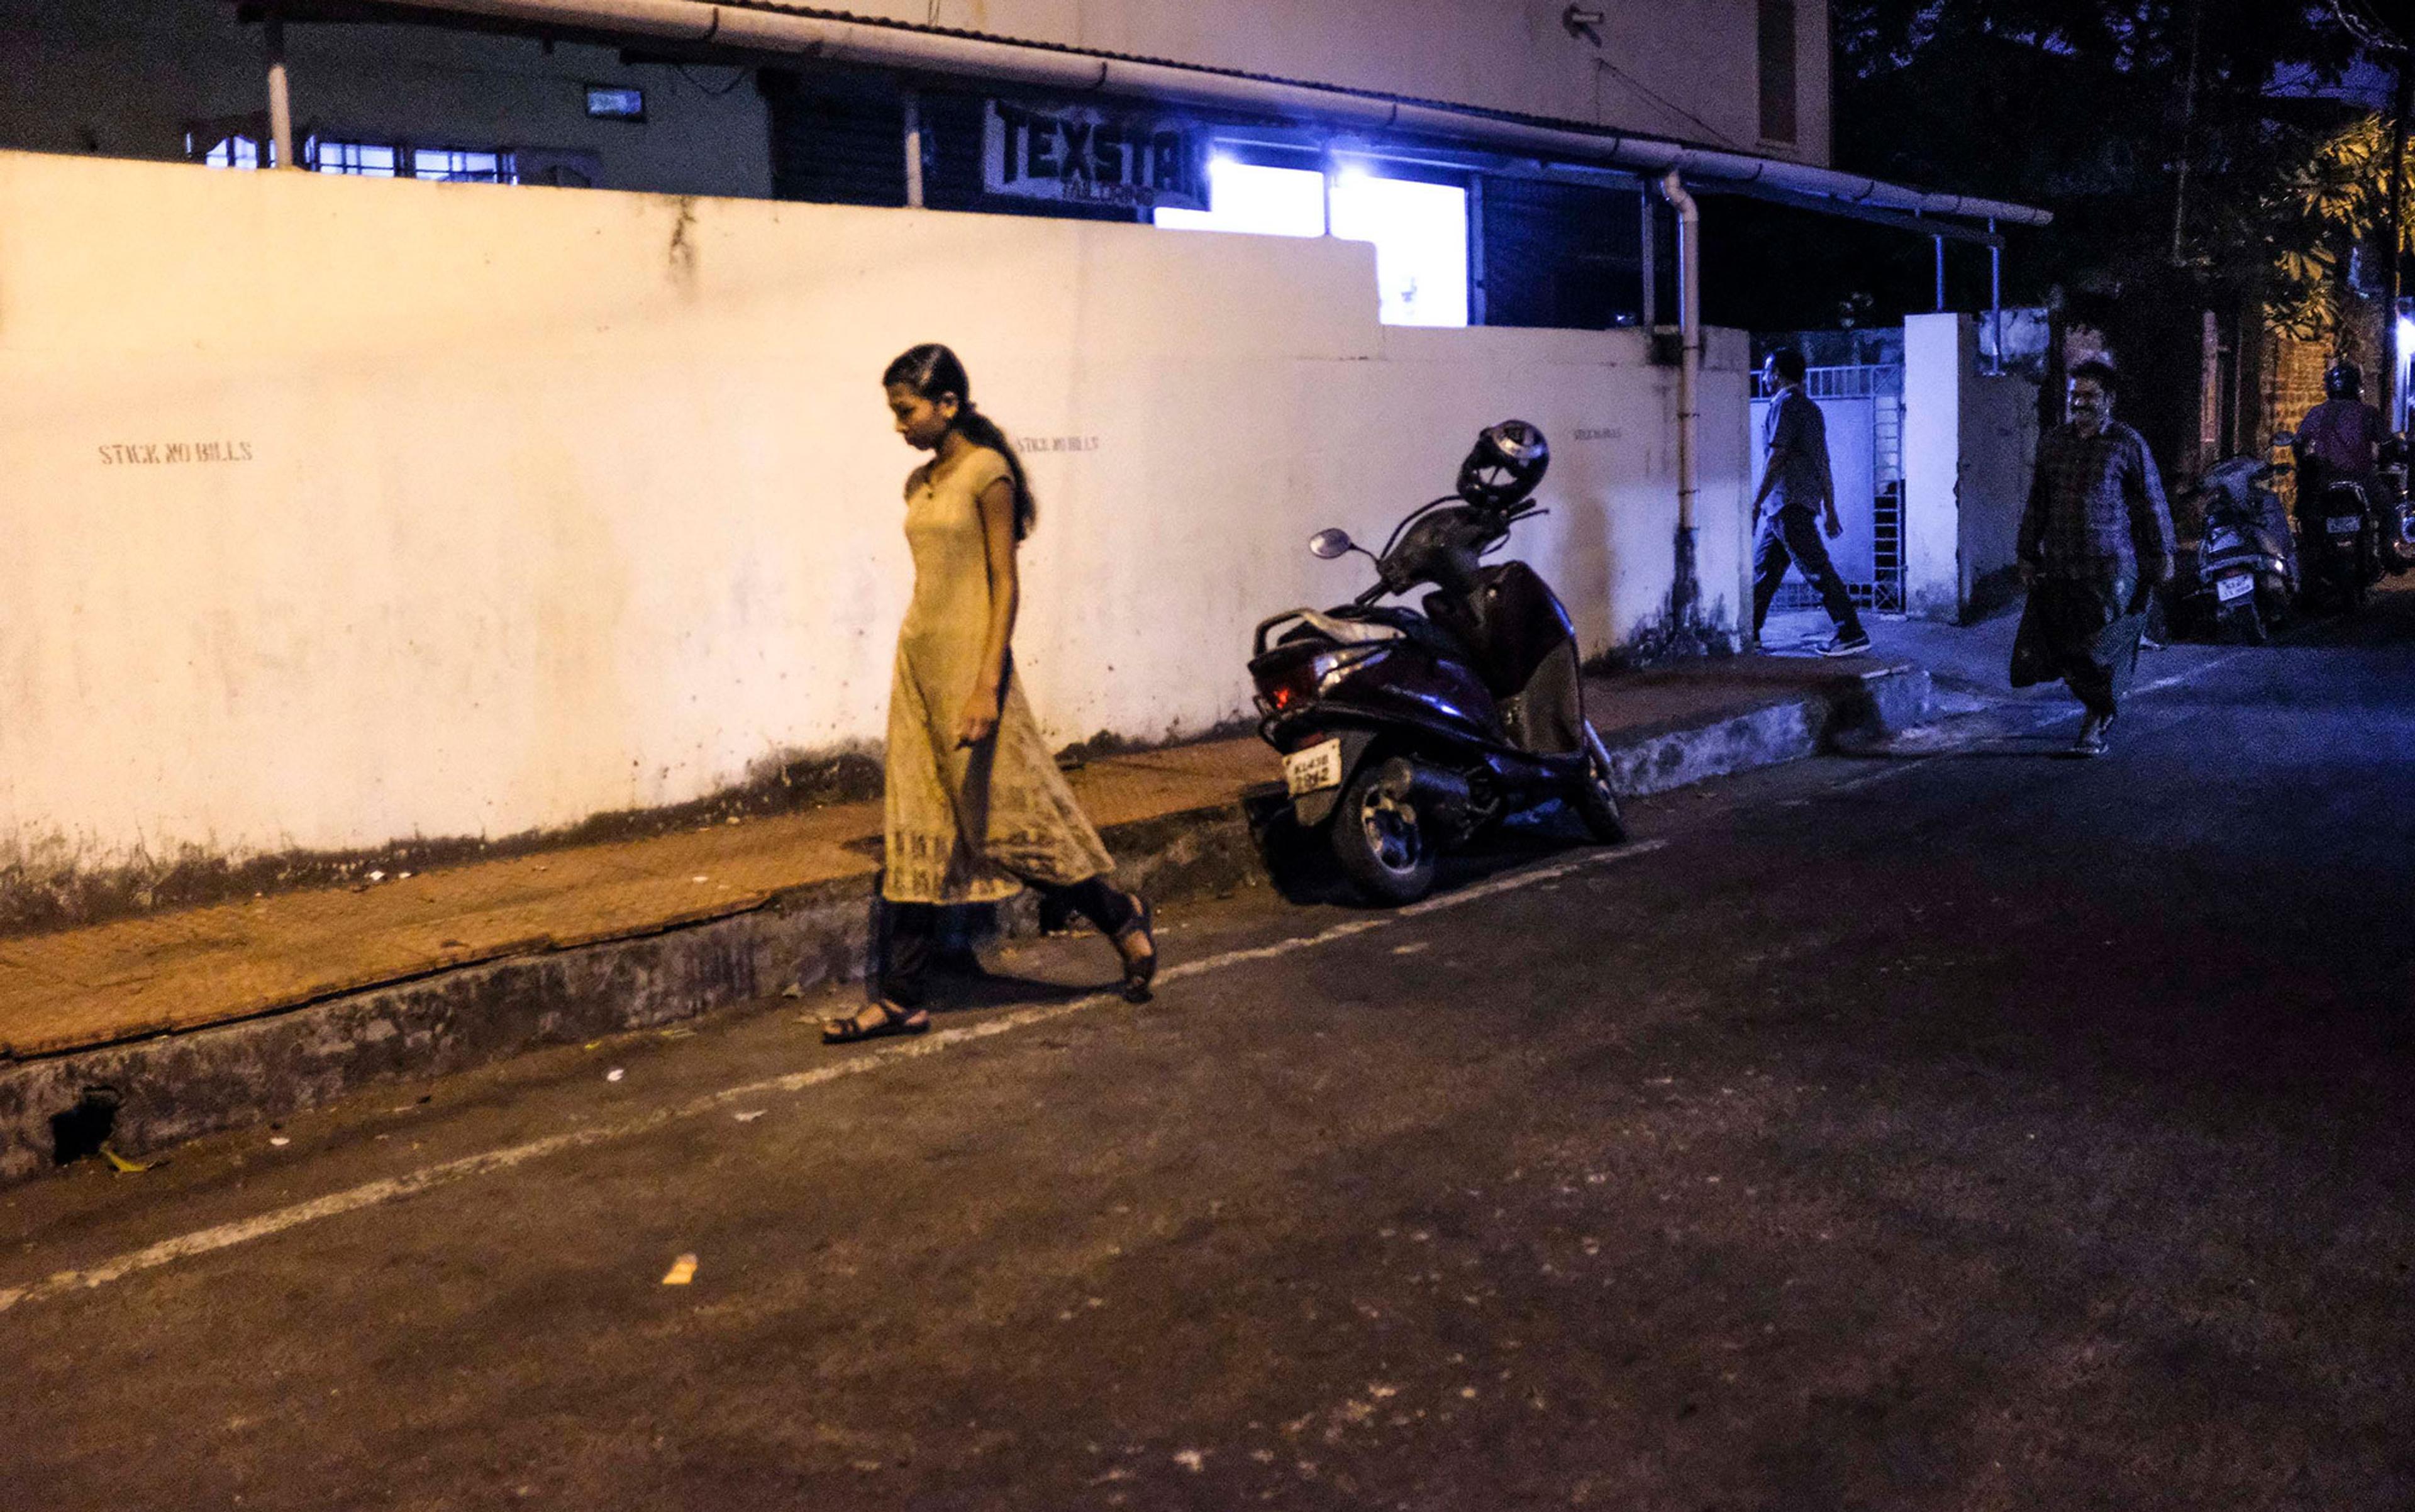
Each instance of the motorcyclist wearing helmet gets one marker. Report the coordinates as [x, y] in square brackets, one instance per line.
[2340, 439]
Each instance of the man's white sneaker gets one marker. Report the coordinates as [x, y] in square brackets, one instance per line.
[1841, 644]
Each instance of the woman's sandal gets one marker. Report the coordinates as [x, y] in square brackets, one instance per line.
[1138, 974]
[893, 1020]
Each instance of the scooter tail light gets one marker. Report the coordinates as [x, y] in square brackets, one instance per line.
[1305, 680]
[1291, 687]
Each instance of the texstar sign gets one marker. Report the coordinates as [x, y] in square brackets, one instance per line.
[1080, 156]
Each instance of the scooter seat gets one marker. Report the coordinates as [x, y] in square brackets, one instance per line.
[1353, 631]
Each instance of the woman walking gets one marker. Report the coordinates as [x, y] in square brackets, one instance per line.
[976, 808]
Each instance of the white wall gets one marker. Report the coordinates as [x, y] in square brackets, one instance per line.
[128, 79]
[1999, 434]
[501, 508]
[1968, 441]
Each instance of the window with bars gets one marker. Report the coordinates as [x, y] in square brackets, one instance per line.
[359, 160]
[453, 165]
[228, 152]
[367, 159]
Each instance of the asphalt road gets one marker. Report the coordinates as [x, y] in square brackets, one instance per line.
[1946, 1127]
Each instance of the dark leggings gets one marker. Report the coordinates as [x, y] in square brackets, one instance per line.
[905, 935]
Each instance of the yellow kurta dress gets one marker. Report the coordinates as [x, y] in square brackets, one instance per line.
[967, 824]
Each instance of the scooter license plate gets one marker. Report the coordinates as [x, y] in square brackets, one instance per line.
[1315, 770]
[2227, 588]
[2344, 524]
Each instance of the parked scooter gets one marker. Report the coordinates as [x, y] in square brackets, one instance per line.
[1403, 734]
[2398, 510]
[2246, 576]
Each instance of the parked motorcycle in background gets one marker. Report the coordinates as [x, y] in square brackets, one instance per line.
[2339, 537]
[2398, 510]
[2246, 578]
[1403, 734]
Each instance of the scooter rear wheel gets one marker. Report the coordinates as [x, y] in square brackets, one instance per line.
[1380, 843]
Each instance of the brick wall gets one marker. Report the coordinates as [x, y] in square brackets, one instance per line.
[2293, 379]
[2292, 369]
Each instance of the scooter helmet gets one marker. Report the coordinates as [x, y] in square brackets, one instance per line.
[2343, 380]
[1506, 465]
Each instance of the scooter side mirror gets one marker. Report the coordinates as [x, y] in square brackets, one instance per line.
[2284, 438]
[1328, 546]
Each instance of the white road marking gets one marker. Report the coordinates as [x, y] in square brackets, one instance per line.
[1528, 880]
[393, 1188]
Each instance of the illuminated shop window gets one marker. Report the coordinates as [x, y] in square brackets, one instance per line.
[1419, 230]
[1263, 201]
[1421, 236]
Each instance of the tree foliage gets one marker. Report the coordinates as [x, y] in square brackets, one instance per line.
[2151, 127]
[2332, 204]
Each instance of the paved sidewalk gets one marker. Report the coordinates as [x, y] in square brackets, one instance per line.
[1975, 657]
[208, 1011]
[194, 968]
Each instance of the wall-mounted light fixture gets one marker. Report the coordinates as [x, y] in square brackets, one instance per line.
[614, 102]
[1582, 22]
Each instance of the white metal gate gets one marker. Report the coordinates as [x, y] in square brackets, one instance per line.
[1864, 409]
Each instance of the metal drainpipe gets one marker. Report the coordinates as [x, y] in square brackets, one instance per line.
[914, 149]
[1685, 590]
[1996, 297]
[280, 98]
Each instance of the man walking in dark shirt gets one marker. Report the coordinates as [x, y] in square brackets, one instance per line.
[2095, 543]
[1796, 490]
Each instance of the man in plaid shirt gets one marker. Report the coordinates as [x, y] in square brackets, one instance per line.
[2095, 543]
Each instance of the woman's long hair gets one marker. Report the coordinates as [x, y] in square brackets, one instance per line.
[931, 371]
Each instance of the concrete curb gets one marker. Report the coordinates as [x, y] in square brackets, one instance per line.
[1854, 705]
[175, 1087]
